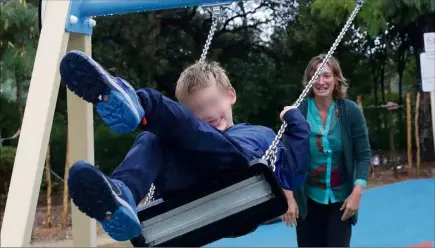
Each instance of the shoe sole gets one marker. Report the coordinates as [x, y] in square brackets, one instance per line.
[89, 81]
[92, 194]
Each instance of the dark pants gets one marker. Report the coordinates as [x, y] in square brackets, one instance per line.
[323, 226]
[176, 151]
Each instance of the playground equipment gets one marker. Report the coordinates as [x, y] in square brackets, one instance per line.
[67, 25]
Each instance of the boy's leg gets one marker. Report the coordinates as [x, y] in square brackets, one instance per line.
[112, 201]
[141, 166]
[118, 105]
[150, 161]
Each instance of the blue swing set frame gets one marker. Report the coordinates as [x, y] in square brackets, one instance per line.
[82, 11]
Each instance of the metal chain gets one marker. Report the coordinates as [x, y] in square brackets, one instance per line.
[216, 11]
[270, 154]
[150, 196]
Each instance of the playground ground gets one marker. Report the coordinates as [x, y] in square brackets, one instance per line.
[384, 210]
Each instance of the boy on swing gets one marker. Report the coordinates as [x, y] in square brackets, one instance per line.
[182, 145]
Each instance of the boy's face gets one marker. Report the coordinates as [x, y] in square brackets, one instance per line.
[213, 105]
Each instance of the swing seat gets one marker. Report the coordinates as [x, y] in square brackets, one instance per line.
[232, 206]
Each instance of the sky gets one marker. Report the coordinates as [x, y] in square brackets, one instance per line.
[261, 15]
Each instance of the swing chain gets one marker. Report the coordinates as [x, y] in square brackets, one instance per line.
[150, 195]
[270, 155]
[216, 12]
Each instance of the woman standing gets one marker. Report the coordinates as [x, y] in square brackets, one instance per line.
[325, 208]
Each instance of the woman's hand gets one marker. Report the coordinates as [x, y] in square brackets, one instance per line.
[292, 214]
[351, 204]
[286, 108]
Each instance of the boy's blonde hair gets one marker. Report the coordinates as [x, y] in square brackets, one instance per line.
[340, 90]
[201, 75]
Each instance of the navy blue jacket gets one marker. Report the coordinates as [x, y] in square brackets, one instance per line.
[215, 150]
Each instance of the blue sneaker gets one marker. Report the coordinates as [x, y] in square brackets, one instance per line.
[108, 201]
[116, 100]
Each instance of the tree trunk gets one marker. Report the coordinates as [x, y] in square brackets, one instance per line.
[401, 67]
[375, 77]
[382, 81]
[19, 97]
[49, 220]
[409, 132]
[381, 75]
[389, 90]
[65, 188]
[375, 81]
[425, 128]
[244, 21]
[417, 136]
[392, 144]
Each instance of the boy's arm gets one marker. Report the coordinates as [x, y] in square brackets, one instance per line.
[294, 153]
[164, 116]
[176, 124]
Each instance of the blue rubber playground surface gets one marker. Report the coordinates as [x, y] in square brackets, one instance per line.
[396, 215]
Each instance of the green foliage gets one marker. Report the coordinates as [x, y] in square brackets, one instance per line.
[18, 42]
[7, 157]
[111, 148]
[9, 117]
[375, 14]
[151, 49]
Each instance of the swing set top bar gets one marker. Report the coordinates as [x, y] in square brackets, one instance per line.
[108, 7]
[80, 12]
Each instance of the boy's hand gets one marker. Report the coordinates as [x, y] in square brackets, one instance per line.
[286, 108]
[292, 214]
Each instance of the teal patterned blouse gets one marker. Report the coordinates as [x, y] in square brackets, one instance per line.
[327, 176]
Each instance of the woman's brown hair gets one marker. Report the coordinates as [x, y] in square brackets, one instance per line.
[340, 89]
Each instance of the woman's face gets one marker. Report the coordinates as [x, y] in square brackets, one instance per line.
[325, 84]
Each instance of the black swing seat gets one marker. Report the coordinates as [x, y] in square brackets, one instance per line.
[232, 206]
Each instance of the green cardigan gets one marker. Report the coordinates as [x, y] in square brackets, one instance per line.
[357, 153]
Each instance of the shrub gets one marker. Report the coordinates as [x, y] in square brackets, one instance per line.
[7, 157]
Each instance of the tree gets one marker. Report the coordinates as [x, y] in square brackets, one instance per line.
[65, 201]
[49, 218]
[410, 19]
[17, 48]
[404, 20]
